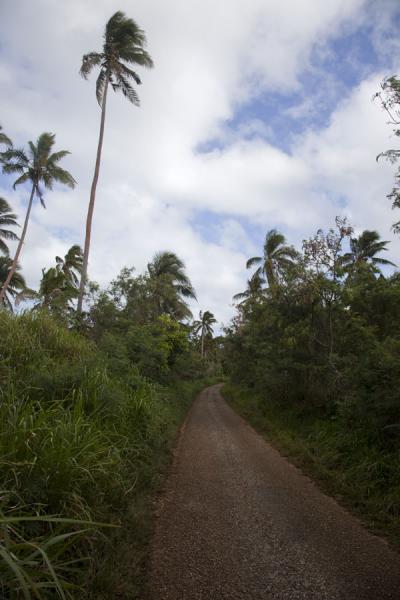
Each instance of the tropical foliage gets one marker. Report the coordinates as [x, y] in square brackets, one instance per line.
[91, 401]
[318, 359]
[277, 257]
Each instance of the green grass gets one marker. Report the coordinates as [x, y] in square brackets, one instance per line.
[80, 444]
[347, 463]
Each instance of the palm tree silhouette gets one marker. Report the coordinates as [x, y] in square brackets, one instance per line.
[363, 251]
[277, 256]
[124, 42]
[170, 285]
[204, 326]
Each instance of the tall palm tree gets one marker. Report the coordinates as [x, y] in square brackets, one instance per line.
[40, 168]
[16, 284]
[7, 219]
[254, 290]
[277, 257]
[4, 139]
[170, 284]
[363, 250]
[71, 265]
[204, 327]
[124, 42]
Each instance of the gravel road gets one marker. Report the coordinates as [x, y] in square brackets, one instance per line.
[239, 522]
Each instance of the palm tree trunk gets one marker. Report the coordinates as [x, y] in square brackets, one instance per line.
[19, 248]
[91, 203]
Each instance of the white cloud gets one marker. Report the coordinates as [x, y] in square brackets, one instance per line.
[210, 58]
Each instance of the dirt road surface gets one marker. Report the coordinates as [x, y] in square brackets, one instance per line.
[239, 522]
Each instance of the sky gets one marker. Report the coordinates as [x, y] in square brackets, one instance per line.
[258, 114]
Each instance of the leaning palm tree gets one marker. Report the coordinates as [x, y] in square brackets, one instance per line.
[7, 219]
[204, 327]
[277, 257]
[170, 285]
[16, 284]
[168, 264]
[71, 265]
[363, 250]
[124, 42]
[40, 168]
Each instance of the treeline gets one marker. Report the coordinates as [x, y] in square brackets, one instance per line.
[316, 344]
[87, 421]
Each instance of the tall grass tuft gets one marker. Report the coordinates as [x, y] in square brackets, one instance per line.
[76, 441]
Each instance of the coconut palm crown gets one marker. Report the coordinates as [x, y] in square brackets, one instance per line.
[71, 265]
[277, 256]
[39, 167]
[364, 250]
[253, 291]
[170, 285]
[124, 44]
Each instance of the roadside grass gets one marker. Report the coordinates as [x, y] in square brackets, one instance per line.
[347, 463]
[81, 448]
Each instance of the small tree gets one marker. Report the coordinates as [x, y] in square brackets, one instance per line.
[204, 327]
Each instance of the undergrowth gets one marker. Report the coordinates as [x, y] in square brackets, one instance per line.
[81, 448]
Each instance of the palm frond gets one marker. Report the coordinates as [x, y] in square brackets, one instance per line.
[129, 73]
[61, 176]
[44, 144]
[4, 139]
[57, 156]
[39, 194]
[383, 261]
[89, 61]
[23, 179]
[101, 83]
[255, 260]
[127, 90]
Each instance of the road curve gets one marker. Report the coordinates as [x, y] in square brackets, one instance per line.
[239, 522]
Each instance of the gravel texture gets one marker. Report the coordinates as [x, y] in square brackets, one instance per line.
[238, 522]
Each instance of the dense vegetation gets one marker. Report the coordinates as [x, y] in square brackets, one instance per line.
[314, 354]
[87, 421]
[317, 355]
[95, 382]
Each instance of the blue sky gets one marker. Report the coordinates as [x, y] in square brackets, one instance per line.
[257, 115]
